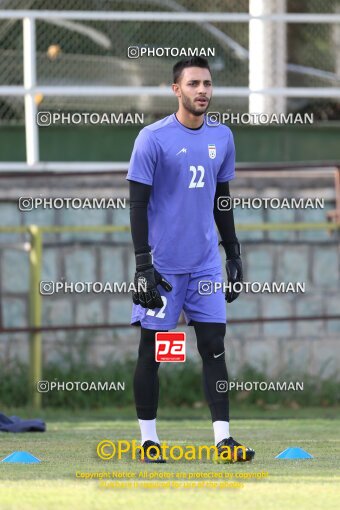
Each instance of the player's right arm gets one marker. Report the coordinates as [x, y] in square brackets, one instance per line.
[140, 175]
[146, 277]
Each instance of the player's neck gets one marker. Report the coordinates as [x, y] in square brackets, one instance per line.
[188, 120]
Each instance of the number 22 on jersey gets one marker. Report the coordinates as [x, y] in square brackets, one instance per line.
[197, 176]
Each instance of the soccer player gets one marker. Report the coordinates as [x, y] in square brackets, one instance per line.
[179, 168]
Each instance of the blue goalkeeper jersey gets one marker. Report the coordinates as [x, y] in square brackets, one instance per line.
[183, 167]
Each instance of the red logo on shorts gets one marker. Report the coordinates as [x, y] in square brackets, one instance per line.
[170, 346]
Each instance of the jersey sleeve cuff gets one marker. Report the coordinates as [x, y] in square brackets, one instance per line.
[139, 179]
[226, 179]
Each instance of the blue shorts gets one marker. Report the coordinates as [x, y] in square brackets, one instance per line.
[193, 293]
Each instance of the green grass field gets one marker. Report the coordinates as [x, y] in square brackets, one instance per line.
[69, 445]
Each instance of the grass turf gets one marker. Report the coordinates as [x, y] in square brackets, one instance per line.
[69, 446]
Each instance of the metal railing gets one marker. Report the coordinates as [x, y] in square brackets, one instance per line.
[35, 247]
[31, 88]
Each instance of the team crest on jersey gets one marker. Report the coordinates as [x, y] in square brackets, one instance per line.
[212, 151]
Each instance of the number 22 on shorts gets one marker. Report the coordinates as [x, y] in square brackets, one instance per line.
[160, 314]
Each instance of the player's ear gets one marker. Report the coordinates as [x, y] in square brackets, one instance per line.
[176, 89]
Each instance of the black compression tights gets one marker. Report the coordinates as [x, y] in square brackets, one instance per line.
[146, 383]
[210, 344]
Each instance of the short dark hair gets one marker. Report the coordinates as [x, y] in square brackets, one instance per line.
[189, 62]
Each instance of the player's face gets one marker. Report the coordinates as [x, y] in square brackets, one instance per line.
[194, 90]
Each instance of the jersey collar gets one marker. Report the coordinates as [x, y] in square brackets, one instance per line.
[188, 130]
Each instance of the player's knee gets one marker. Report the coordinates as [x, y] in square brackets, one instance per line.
[212, 349]
[210, 341]
[146, 350]
[146, 355]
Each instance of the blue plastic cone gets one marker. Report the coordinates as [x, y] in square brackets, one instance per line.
[21, 458]
[294, 452]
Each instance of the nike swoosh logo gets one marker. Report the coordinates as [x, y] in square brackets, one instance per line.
[218, 355]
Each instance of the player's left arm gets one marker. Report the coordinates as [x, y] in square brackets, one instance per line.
[224, 220]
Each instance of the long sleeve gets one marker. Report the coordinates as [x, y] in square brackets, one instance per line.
[224, 219]
[139, 199]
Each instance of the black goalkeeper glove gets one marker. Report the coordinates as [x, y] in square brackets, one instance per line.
[233, 267]
[146, 280]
